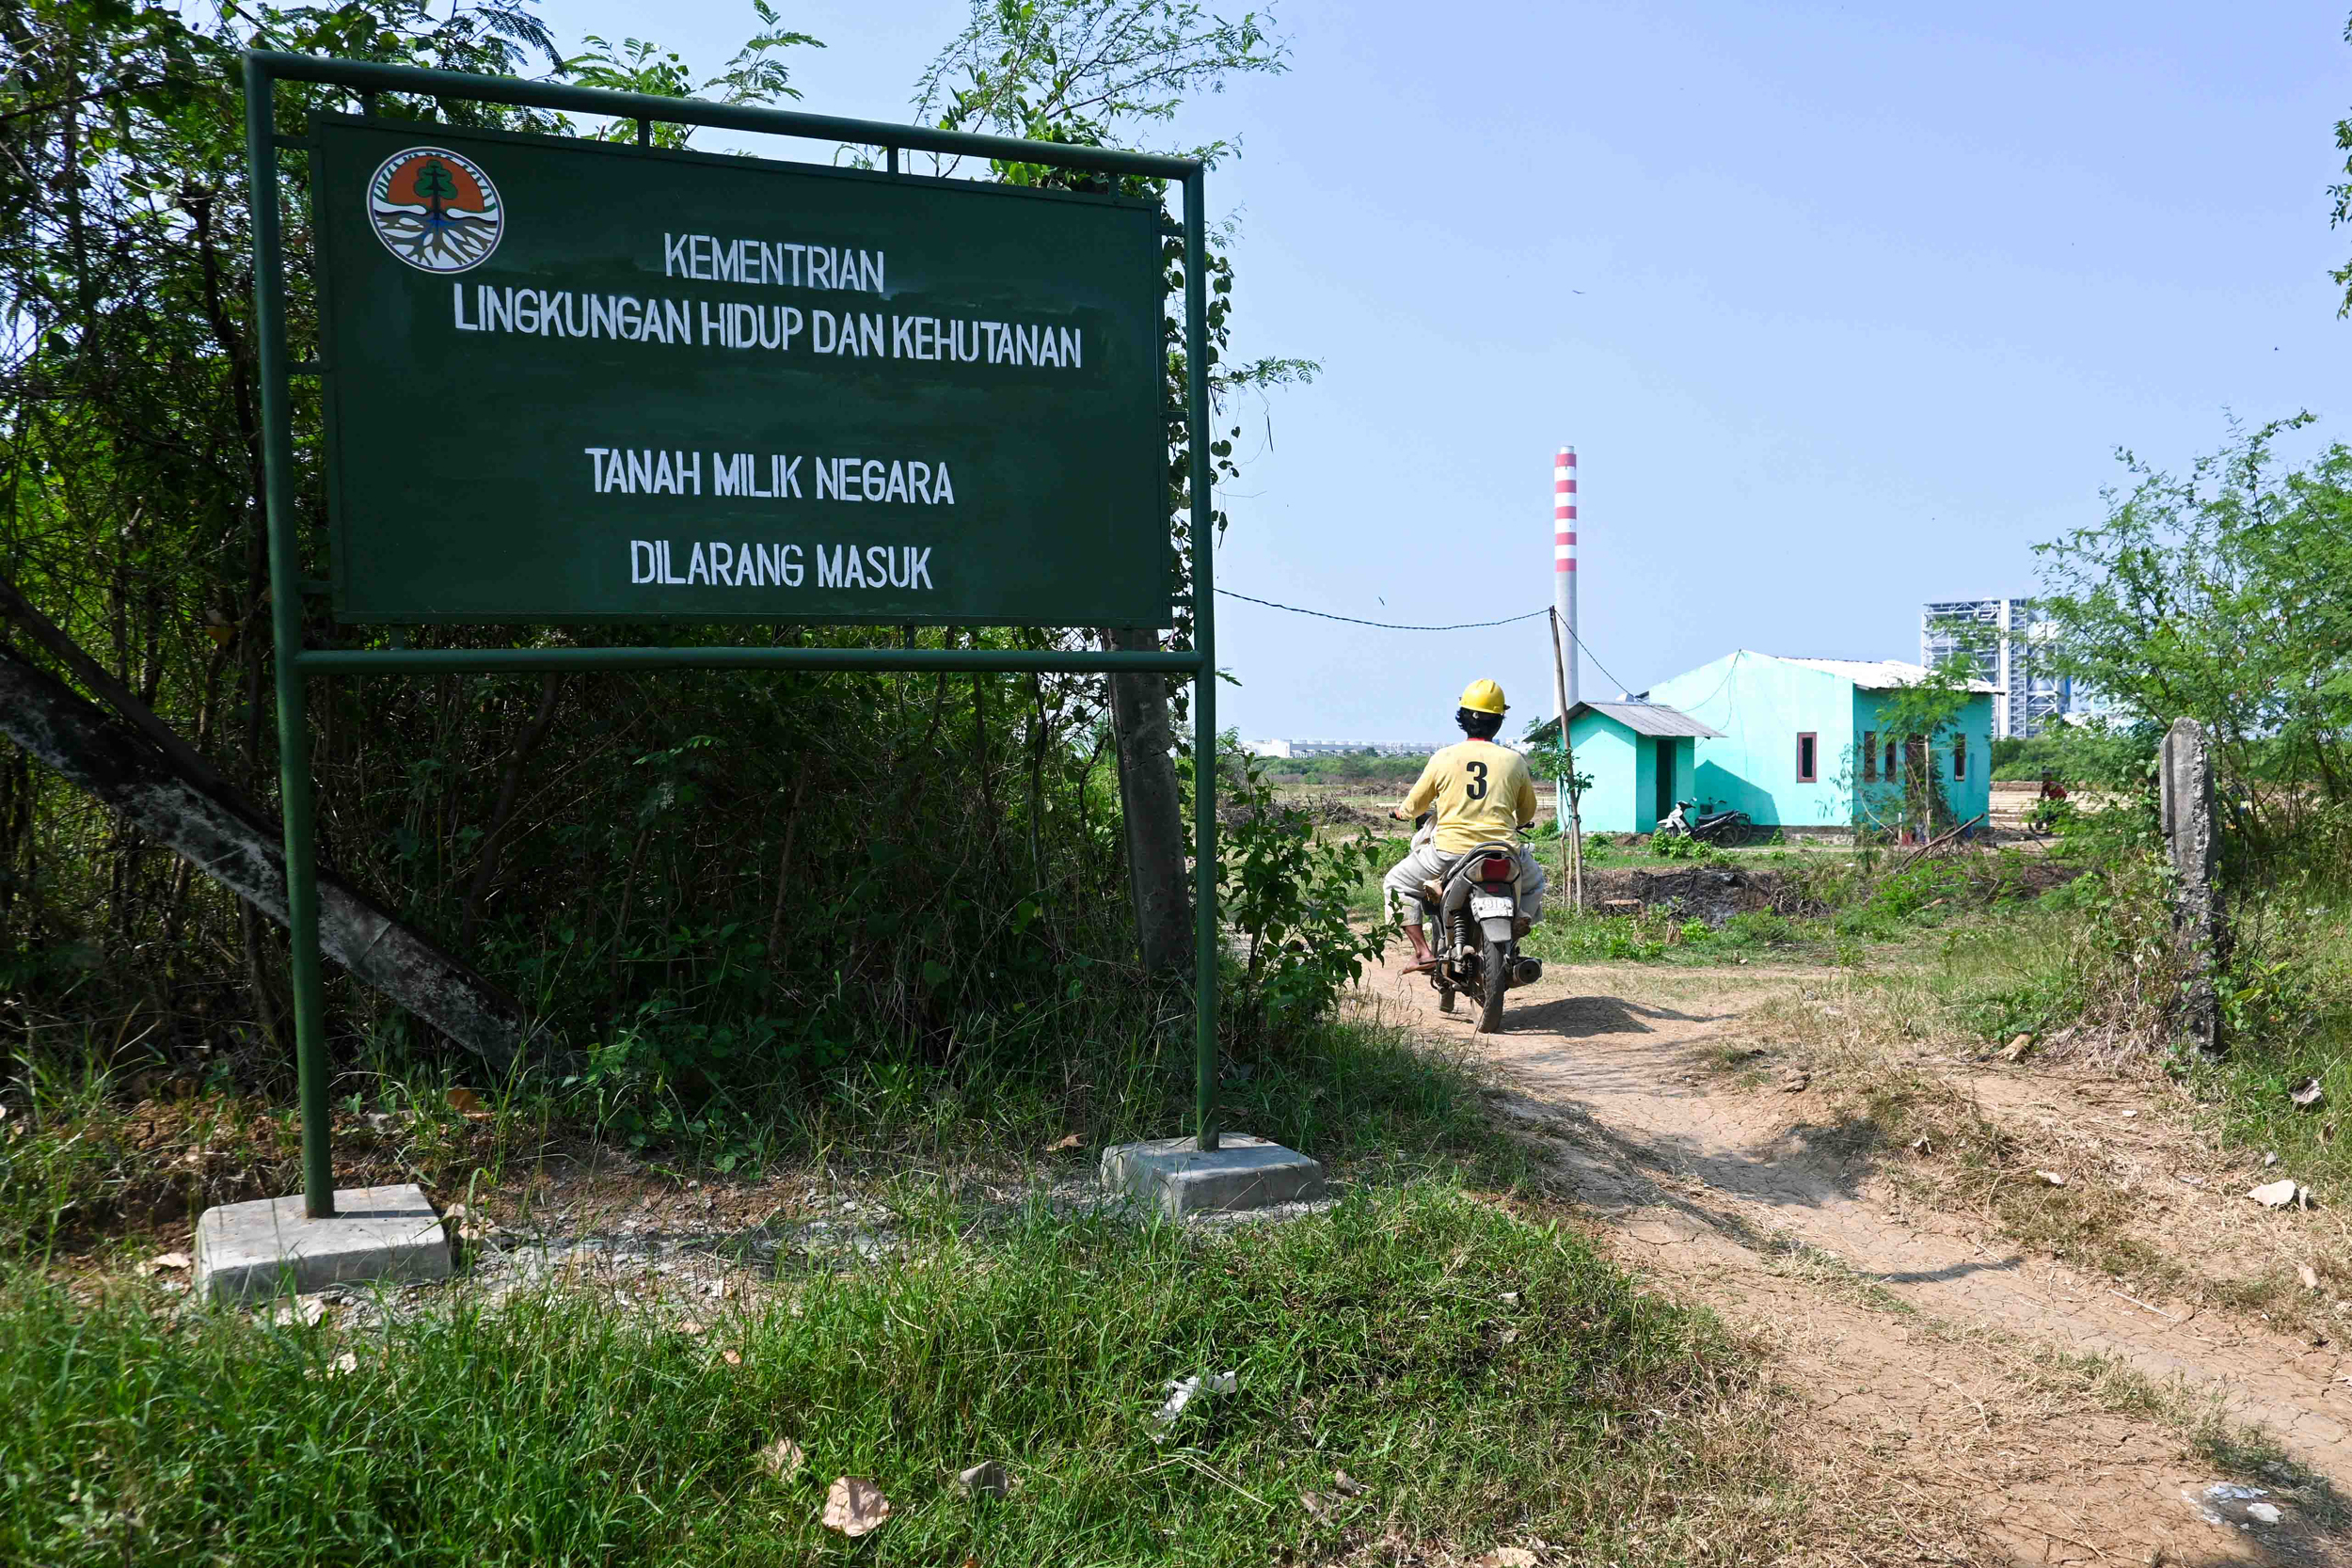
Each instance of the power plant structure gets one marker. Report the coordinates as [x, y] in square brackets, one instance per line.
[2009, 644]
[1564, 576]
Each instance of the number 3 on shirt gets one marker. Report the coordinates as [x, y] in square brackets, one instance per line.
[1476, 789]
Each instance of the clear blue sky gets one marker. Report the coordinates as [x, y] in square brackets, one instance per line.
[1869, 296]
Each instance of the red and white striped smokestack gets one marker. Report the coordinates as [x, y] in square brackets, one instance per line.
[1564, 565]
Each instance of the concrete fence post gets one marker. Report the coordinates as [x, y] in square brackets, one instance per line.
[2186, 770]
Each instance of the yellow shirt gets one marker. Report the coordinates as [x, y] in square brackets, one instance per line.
[1482, 791]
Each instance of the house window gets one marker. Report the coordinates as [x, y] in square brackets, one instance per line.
[1804, 757]
[1959, 757]
[1870, 756]
[1892, 772]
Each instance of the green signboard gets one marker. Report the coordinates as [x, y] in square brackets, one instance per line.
[573, 381]
[579, 381]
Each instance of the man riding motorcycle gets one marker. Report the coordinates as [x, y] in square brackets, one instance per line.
[1483, 793]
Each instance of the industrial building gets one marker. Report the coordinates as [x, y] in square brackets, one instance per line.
[1343, 748]
[2010, 645]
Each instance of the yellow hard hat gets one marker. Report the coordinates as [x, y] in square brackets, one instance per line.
[1484, 696]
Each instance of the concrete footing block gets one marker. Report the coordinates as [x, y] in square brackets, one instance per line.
[247, 1251]
[1246, 1172]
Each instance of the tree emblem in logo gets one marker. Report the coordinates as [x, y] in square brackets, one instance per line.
[435, 210]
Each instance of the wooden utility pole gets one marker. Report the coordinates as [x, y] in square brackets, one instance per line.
[1572, 850]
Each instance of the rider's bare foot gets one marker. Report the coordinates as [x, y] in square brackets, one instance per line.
[1423, 964]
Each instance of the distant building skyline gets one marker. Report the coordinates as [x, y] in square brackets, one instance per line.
[1343, 748]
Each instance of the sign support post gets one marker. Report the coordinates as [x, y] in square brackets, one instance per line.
[285, 583]
[263, 70]
[1204, 741]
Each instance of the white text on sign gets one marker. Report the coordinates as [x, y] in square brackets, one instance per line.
[771, 476]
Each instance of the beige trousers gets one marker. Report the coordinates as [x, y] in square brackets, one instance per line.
[1427, 863]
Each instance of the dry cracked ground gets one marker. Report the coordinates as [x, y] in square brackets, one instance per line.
[1757, 1141]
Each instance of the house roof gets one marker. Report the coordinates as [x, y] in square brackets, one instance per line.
[1649, 718]
[1874, 674]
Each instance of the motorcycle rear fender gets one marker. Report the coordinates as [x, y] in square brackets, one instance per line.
[1497, 930]
[1459, 885]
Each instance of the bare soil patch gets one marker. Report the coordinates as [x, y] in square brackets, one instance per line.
[1975, 1398]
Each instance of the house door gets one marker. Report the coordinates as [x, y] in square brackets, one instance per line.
[1665, 770]
[1920, 793]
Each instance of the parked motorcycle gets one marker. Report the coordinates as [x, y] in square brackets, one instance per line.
[1473, 918]
[1714, 827]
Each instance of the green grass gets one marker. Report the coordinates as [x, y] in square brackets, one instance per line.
[1568, 936]
[1368, 901]
[2001, 976]
[78, 1155]
[1381, 1339]
[1376, 774]
[1857, 901]
[1486, 1376]
[2287, 1010]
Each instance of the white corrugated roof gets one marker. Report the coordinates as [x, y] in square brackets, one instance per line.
[1648, 718]
[1872, 675]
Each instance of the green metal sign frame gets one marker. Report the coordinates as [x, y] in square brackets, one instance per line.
[264, 71]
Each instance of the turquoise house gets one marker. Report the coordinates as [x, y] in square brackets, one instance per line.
[1799, 743]
[1640, 757]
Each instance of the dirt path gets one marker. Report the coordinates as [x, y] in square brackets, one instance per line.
[1961, 1391]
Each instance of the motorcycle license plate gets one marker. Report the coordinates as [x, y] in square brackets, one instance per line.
[1492, 908]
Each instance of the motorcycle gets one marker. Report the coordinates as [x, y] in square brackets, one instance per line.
[1472, 915]
[1713, 827]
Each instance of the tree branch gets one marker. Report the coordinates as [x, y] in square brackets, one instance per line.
[229, 840]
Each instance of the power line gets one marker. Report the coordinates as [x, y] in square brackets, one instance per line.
[1730, 670]
[1459, 626]
[1596, 659]
[1390, 626]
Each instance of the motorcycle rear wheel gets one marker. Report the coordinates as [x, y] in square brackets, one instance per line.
[1494, 980]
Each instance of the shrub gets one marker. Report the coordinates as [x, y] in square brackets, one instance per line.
[1682, 847]
[1760, 928]
[1290, 896]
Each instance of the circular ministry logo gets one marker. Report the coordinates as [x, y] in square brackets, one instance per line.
[435, 210]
